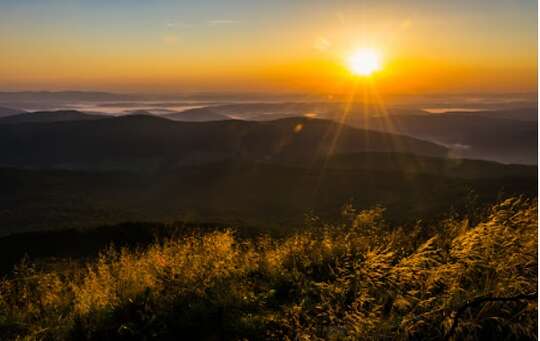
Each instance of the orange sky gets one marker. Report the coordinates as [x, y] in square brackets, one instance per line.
[482, 46]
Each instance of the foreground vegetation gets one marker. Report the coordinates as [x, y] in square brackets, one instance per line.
[362, 279]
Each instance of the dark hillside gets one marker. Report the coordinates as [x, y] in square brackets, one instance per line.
[151, 143]
[265, 194]
[49, 116]
[7, 111]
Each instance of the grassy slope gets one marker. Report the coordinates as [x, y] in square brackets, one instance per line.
[361, 280]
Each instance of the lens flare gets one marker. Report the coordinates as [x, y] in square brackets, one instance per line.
[364, 62]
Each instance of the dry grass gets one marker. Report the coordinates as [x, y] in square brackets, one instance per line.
[362, 280]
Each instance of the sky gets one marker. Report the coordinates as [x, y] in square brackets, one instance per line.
[279, 45]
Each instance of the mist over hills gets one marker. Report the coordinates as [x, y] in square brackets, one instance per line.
[469, 136]
[197, 115]
[507, 136]
[520, 114]
[62, 99]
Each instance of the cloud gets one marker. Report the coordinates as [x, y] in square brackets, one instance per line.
[217, 22]
[172, 24]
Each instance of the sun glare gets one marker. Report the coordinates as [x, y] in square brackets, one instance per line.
[364, 62]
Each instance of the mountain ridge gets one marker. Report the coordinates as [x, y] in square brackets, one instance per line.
[49, 117]
[150, 142]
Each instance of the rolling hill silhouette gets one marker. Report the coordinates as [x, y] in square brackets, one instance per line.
[468, 135]
[505, 135]
[5, 111]
[49, 116]
[152, 143]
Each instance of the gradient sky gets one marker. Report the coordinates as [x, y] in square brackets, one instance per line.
[278, 45]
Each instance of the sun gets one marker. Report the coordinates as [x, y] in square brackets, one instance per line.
[364, 62]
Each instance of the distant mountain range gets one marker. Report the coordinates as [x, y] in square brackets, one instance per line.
[70, 96]
[63, 96]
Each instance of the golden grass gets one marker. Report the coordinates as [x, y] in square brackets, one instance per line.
[363, 280]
